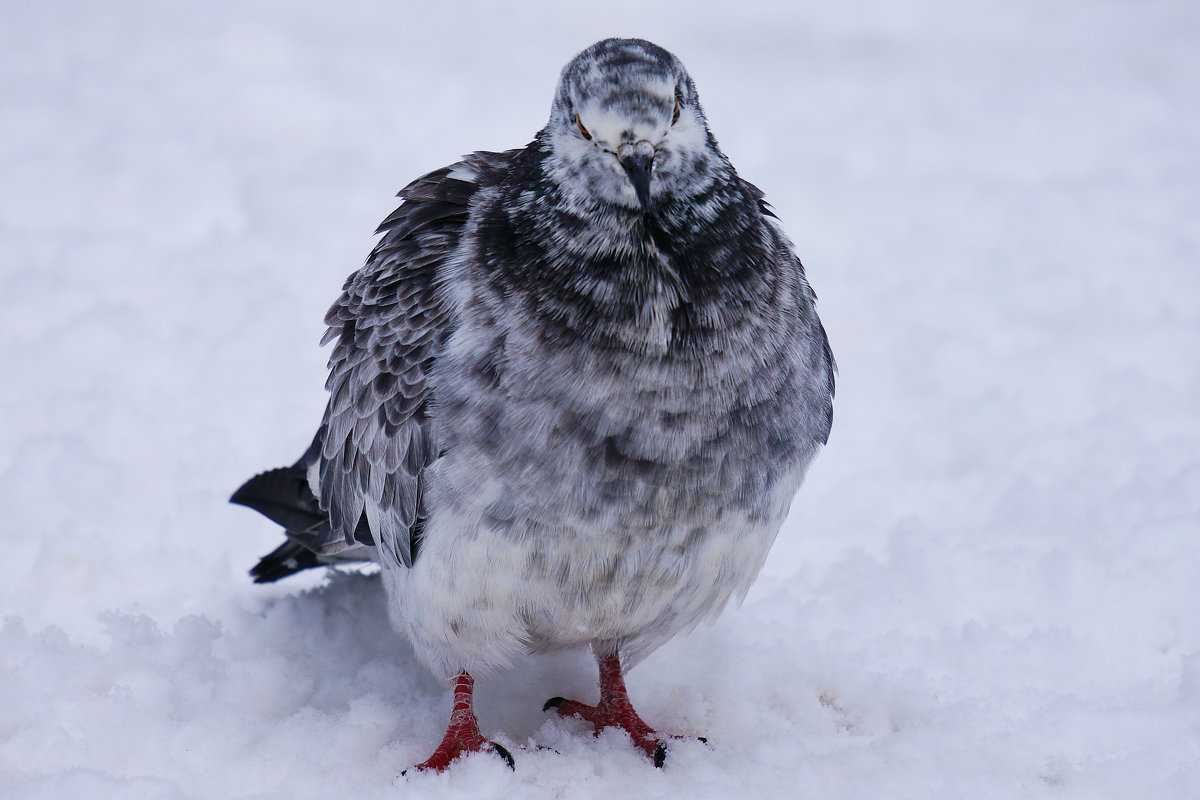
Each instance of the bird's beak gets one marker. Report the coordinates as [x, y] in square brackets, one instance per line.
[638, 161]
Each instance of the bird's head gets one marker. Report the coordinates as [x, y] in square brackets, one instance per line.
[627, 127]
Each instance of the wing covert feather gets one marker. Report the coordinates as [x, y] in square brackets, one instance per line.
[388, 326]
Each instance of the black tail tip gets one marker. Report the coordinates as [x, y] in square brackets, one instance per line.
[287, 559]
[282, 496]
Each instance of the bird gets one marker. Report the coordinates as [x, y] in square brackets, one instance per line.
[572, 394]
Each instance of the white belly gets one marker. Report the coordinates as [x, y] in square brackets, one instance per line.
[478, 594]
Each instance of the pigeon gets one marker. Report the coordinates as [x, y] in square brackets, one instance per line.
[572, 394]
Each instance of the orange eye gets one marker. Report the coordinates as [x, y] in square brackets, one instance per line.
[582, 129]
[675, 116]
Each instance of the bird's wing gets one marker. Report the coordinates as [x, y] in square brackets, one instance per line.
[388, 325]
[825, 366]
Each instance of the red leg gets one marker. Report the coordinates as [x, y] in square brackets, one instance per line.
[614, 711]
[462, 736]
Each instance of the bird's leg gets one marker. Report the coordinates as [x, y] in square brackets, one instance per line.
[462, 735]
[614, 710]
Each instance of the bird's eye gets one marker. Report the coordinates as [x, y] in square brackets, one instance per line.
[675, 116]
[583, 130]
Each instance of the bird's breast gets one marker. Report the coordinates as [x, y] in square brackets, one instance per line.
[635, 438]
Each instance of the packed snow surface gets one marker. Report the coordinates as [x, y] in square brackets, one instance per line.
[989, 586]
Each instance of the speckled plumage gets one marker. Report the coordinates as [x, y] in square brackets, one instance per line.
[562, 411]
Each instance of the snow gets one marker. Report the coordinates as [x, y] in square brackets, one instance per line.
[988, 587]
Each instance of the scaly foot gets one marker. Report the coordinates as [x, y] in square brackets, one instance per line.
[614, 711]
[462, 735]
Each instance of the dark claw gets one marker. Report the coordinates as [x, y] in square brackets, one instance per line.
[499, 750]
[554, 702]
[502, 751]
[660, 755]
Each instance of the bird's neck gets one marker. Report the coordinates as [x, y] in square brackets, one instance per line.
[625, 279]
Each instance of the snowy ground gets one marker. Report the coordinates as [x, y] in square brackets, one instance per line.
[989, 587]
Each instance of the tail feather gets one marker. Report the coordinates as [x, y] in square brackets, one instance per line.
[287, 559]
[284, 497]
